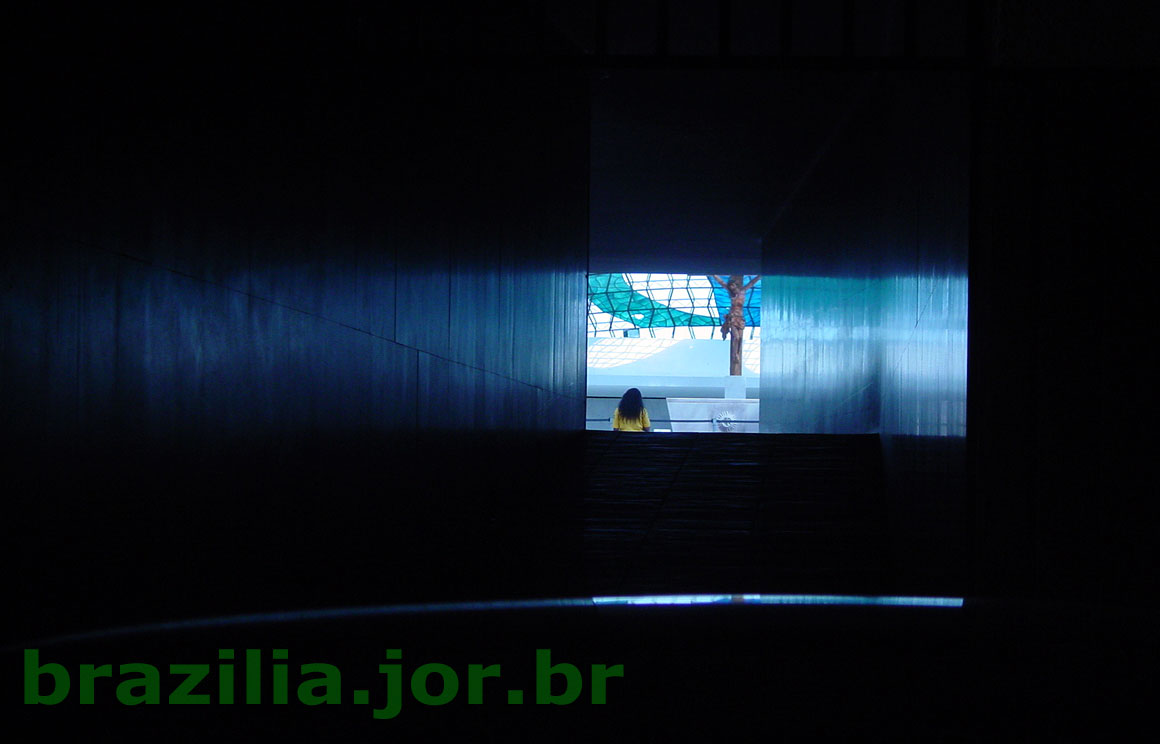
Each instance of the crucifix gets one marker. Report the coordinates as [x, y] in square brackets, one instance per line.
[733, 326]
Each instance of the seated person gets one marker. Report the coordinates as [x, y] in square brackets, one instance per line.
[630, 414]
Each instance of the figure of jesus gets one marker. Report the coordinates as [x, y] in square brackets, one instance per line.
[733, 326]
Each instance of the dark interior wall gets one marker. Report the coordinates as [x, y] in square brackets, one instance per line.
[230, 249]
[870, 260]
[689, 166]
[1061, 311]
[828, 292]
[879, 222]
[255, 269]
[923, 322]
[1064, 186]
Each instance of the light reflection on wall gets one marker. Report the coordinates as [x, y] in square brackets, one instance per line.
[923, 330]
[859, 355]
[818, 371]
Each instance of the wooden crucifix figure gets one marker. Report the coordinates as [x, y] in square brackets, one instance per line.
[734, 323]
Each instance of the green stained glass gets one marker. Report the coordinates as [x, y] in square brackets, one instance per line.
[613, 294]
[627, 301]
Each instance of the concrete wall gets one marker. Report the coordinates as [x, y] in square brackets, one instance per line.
[866, 269]
[255, 270]
[866, 297]
[1062, 315]
[201, 249]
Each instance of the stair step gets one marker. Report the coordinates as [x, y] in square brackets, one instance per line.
[694, 511]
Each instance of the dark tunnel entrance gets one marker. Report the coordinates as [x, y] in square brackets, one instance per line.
[293, 357]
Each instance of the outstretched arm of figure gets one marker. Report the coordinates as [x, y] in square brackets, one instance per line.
[752, 281]
[719, 280]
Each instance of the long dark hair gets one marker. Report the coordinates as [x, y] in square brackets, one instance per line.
[631, 404]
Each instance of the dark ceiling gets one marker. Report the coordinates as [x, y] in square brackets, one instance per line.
[691, 167]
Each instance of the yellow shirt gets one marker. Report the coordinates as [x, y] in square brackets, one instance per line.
[637, 424]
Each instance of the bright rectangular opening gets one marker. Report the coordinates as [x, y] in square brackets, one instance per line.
[691, 343]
